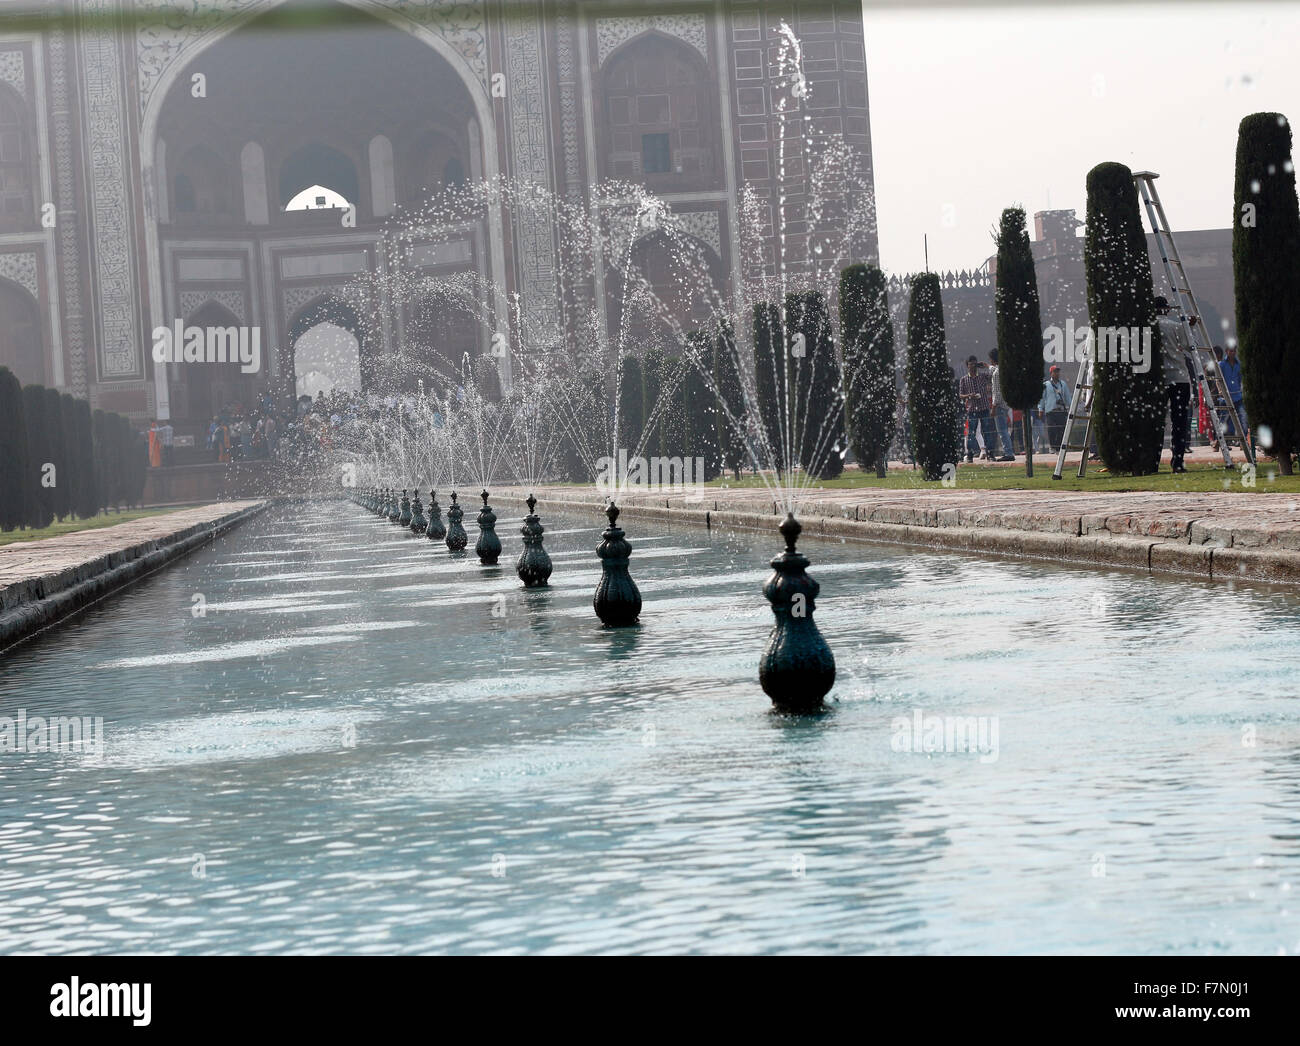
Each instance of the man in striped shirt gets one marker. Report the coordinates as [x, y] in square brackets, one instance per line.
[976, 392]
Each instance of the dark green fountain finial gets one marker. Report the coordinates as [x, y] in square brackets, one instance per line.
[457, 538]
[617, 601]
[534, 565]
[790, 530]
[797, 668]
[488, 546]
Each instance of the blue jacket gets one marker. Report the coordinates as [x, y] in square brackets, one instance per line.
[1231, 377]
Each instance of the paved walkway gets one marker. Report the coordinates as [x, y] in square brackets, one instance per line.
[1253, 536]
[43, 581]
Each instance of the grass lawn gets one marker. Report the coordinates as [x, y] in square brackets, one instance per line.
[1200, 478]
[72, 526]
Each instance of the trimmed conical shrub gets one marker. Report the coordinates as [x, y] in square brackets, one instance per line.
[818, 419]
[770, 379]
[82, 461]
[15, 472]
[1266, 276]
[931, 393]
[631, 405]
[40, 496]
[699, 427]
[730, 423]
[1020, 324]
[870, 393]
[1128, 407]
[57, 426]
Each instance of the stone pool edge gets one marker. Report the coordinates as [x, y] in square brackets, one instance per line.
[1155, 555]
[33, 604]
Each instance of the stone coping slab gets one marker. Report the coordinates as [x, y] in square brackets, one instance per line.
[42, 582]
[1206, 535]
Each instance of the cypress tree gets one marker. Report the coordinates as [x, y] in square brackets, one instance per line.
[631, 405]
[1128, 408]
[1020, 324]
[699, 425]
[56, 424]
[139, 470]
[931, 393]
[40, 498]
[1266, 275]
[15, 472]
[77, 479]
[652, 374]
[818, 419]
[730, 432]
[83, 461]
[867, 333]
[770, 378]
[121, 429]
[101, 458]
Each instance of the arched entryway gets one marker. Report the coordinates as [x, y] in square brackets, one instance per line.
[290, 108]
[22, 344]
[327, 341]
[209, 390]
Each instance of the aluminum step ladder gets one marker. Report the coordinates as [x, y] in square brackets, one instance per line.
[1080, 414]
[1228, 426]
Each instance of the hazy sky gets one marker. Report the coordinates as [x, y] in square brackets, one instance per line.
[976, 107]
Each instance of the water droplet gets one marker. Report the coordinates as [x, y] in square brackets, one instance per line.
[1254, 186]
[1265, 436]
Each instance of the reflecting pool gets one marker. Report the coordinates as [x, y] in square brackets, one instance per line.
[323, 734]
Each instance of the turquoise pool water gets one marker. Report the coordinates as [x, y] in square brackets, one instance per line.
[324, 735]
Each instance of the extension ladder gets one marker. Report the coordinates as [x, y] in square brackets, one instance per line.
[1228, 427]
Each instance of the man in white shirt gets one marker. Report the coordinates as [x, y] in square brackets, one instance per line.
[1054, 407]
[166, 435]
[1001, 412]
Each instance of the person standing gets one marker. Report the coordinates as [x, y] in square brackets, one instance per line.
[1001, 412]
[1174, 346]
[155, 445]
[976, 393]
[166, 434]
[1054, 408]
[1231, 368]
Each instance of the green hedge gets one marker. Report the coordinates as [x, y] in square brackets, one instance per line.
[870, 393]
[59, 462]
[931, 391]
[1128, 407]
[1266, 275]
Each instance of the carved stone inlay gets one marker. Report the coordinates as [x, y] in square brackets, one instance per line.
[171, 26]
[192, 301]
[69, 241]
[703, 225]
[13, 70]
[21, 268]
[531, 157]
[110, 202]
[614, 32]
[294, 298]
[624, 229]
